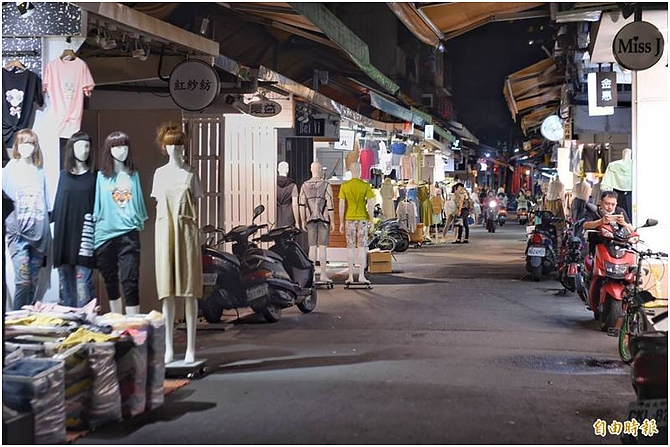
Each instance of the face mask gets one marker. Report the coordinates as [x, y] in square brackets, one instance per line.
[175, 151]
[82, 149]
[26, 149]
[120, 153]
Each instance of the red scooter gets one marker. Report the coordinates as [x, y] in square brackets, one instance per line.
[609, 273]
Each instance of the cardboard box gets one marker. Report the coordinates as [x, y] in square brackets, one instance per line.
[380, 262]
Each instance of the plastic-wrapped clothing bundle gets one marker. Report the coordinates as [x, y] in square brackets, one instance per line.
[78, 384]
[155, 361]
[37, 385]
[105, 403]
[131, 370]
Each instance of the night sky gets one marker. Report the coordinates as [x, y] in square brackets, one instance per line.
[481, 60]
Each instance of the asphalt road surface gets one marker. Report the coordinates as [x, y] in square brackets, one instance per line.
[454, 347]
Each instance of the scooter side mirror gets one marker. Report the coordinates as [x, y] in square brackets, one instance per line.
[208, 229]
[258, 211]
[650, 223]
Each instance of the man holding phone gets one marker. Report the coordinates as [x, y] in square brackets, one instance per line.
[608, 213]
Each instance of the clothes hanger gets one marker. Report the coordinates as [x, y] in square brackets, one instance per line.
[15, 64]
[68, 51]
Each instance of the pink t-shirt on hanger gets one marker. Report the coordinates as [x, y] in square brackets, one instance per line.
[66, 83]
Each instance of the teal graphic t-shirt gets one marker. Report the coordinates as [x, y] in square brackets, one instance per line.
[119, 206]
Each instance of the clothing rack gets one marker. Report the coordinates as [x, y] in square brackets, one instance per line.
[21, 53]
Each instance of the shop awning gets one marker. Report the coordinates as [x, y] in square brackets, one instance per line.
[354, 46]
[417, 23]
[462, 131]
[457, 18]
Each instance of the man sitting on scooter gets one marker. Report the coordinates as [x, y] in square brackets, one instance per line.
[610, 212]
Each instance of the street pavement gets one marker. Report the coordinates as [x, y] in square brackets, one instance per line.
[454, 347]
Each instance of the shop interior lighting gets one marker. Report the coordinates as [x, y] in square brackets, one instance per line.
[26, 9]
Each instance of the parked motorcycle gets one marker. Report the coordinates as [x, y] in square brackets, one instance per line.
[390, 235]
[540, 254]
[570, 260]
[610, 272]
[491, 213]
[650, 382]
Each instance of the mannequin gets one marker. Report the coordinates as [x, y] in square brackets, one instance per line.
[413, 196]
[437, 205]
[352, 157]
[316, 215]
[554, 198]
[74, 225]
[423, 193]
[119, 214]
[581, 192]
[176, 187]
[356, 198]
[619, 178]
[387, 191]
[27, 227]
[287, 198]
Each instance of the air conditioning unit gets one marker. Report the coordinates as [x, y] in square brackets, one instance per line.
[427, 99]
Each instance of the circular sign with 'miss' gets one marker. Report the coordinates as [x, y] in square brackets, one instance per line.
[194, 85]
[638, 46]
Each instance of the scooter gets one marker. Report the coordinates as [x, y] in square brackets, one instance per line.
[491, 214]
[570, 260]
[502, 217]
[610, 272]
[222, 271]
[280, 277]
[540, 254]
[650, 382]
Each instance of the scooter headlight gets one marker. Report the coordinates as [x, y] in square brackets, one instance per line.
[492, 204]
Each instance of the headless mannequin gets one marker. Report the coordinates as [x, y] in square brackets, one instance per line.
[119, 156]
[179, 173]
[320, 251]
[282, 169]
[627, 154]
[582, 190]
[362, 251]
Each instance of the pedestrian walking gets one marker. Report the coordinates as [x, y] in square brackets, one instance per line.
[463, 206]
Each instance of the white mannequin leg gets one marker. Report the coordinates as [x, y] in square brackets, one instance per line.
[363, 254]
[168, 314]
[323, 260]
[116, 306]
[191, 305]
[351, 258]
[312, 257]
[132, 310]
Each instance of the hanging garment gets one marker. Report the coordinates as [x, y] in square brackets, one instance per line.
[582, 191]
[373, 145]
[316, 196]
[619, 175]
[437, 203]
[575, 156]
[66, 83]
[286, 191]
[22, 91]
[412, 196]
[407, 166]
[397, 150]
[555, 190]
[367, 160]
[590, 154]
[406, 213]
[595, 193]
[426, 207]
[387, 194]
[74, 226]
[604, 154]
[179, 272]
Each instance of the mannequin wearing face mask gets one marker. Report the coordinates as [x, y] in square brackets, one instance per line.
[176, 187]
[119, 215]
[73, 223]
[28, 233]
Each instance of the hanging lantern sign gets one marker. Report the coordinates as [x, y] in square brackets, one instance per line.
[638, 46]
[194, 85]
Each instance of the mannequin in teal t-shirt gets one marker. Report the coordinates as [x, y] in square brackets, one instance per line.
[120, 214]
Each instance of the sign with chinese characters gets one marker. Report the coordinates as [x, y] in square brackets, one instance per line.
[592, 90]
[264, 108]
[606, 89]
[346, 141]
[430, 132]
[194, 85]
[638, 46]
[314, 127]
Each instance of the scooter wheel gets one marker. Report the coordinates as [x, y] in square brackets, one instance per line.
[272, 313]
[309, 303]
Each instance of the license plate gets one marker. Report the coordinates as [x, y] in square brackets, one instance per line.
[209, 279]
[537, 251]
[257, 292]
[649, 409]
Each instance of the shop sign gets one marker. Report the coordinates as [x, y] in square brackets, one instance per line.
[346, 141]
[408, 129]
[606, 89]
[194, 85]
[264, 108]
[314, 127]
[592, 91]
[430, 132]
[638, 46]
